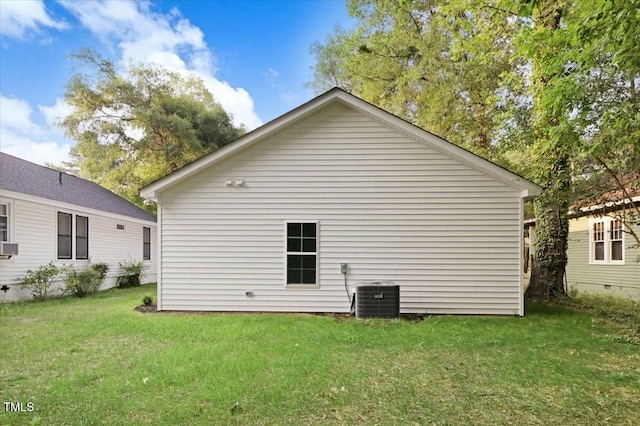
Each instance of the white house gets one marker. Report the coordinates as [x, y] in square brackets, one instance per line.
[265, 223]
[48, 216]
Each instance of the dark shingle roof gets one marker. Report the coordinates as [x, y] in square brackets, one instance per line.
[21, 176]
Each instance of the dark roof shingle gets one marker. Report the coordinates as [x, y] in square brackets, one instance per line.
[22, 176]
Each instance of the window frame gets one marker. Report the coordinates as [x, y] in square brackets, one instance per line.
[607, 241]
[315, 253]
[8, 215]
[78, 238]
[146, 230]
[619, 232]
[598, 232]
[69, 236]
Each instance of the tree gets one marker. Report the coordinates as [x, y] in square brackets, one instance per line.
[438, 64]
[584, 78]
[134, 128]
[554, 139]
[608, 35]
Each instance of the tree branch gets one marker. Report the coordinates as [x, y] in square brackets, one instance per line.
[508, 12]
[627, 196]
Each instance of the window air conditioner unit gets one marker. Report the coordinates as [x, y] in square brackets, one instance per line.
[377, 300]
[8, 249]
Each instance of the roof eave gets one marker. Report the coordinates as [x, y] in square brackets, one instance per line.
[531, 192]
[609, 204]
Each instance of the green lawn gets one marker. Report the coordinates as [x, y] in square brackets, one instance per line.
[97, 361]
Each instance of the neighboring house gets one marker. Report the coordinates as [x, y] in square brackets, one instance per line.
[54, 216]
[602, 256]
[264, 224]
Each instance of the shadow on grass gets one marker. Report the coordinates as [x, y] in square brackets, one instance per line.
[624, 313]
[547, 309]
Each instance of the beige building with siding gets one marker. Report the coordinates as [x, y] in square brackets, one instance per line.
[603, 258]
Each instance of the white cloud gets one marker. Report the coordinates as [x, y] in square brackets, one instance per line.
[55, 113]
[21, 137]
[19, 18]
[15, 115]
[170, 40]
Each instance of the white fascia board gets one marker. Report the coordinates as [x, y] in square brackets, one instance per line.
[621, 202]
[586, 211]
[73, 207]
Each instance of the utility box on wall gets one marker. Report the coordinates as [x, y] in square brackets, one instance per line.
[377, 300]
[8, 249]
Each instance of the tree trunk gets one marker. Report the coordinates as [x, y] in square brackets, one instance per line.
[552, 231]
[553, 170]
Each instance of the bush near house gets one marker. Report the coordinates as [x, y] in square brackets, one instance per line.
[131, 272]
[77, 283]
[41, 281]
[83, 283]
[102, 268]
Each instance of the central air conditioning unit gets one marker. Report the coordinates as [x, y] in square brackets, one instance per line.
[378, 299]
[8, 249]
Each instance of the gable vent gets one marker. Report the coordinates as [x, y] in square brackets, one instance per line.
[377, 300]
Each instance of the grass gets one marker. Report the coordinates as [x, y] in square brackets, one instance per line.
[97, 361]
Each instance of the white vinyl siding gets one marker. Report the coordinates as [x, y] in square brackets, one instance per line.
[35, 230]
[391, 207]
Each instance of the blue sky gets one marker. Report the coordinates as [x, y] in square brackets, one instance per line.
[253, 56]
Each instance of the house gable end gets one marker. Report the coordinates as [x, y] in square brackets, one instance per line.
[526, 188]
[320, 145]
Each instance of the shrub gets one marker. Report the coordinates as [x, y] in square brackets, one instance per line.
[102, 268]
[131, 274]
[133, 268]
[125, 281]
[147, 300]
[83, 283]
[41, 280]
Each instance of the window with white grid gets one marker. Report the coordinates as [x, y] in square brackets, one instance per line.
[615, 238]
[598, 241]
[606, 241]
